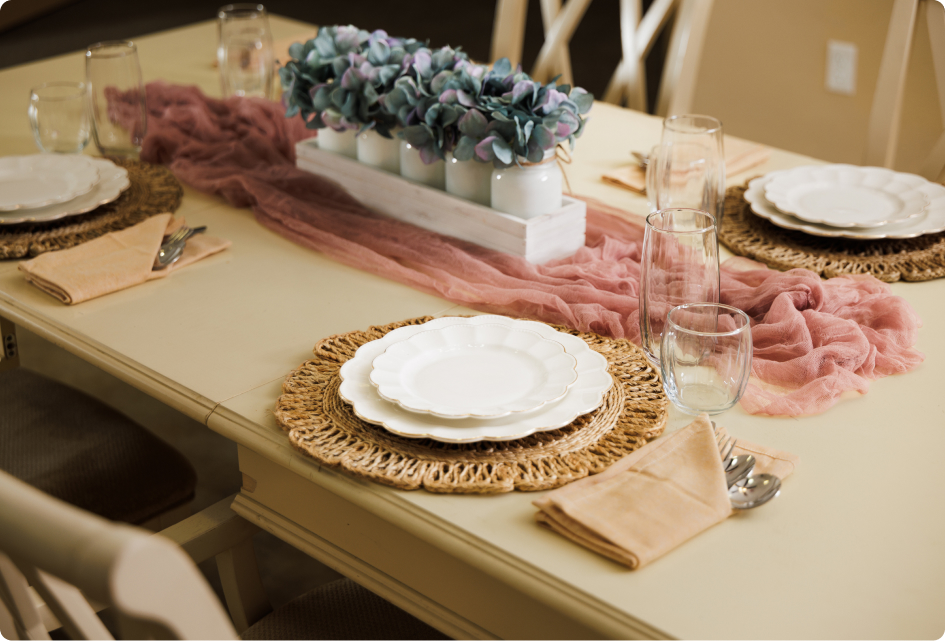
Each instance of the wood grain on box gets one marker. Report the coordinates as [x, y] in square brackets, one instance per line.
[539, 240]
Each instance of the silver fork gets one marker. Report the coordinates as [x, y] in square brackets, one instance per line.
[173, 247]
[736, 468]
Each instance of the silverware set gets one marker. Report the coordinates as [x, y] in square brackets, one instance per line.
[745, 489]
[173, 247]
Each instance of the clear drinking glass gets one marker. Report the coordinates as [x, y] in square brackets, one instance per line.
[680, 265]
[691, 165]
[651, 172]
[706, 357]
[117, 98]
[245, 50]
[59, 116]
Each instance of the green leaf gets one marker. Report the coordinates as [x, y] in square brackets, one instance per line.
[465, 149]
[502, 151]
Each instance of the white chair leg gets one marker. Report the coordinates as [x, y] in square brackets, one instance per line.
[218, 531]
[245, 597]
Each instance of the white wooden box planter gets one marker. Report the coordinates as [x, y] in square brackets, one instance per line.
[539, 240]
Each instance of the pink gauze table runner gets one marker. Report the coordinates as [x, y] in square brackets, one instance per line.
[813, 339]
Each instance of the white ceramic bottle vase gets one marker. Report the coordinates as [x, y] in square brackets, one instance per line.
[469, 179]
[528, 190]
[413, 168]
[339, 142]
[377, 151]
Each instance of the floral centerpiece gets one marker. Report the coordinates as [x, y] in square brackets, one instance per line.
[443, 106]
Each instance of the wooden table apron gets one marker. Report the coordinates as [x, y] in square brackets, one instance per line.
[846, 551]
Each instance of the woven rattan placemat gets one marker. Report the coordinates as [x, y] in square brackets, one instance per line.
[153, 190]
[322, 426]
[889, 260]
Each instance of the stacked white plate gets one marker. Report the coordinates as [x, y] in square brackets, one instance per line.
[846, 201]
[45, 187]
[463, 380]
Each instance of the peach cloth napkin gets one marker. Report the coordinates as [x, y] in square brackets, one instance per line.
[115, 261]
[740, 155]
[653, 500]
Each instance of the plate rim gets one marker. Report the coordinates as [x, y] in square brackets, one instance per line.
[781, 194]
[499, 413]
[81, 191]
[121, 183]
[754, 196]
[597, 366]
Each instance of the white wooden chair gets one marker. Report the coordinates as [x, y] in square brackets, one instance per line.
[886, 113]
[59, 565]
[638, 34]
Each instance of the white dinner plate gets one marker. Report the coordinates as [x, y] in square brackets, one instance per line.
[474, 371]
[112, 181]
[27, 182]
[585, 395]
[847, 195]
[931, 222]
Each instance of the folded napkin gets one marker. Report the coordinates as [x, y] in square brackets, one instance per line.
[115, 261]
[653, 500]
[740, 155]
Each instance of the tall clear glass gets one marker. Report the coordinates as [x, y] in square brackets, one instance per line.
[59, 116]
[245, 50]
[680, 265]
[706, 357]
[116, 98]
[691, 165]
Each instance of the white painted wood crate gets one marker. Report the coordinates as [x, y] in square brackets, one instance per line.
[539, 240]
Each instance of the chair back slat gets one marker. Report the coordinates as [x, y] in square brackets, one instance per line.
[68, 554]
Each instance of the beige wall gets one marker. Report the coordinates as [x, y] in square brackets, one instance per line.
[763, 69]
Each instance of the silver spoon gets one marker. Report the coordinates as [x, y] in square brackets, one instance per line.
[643, 159]
[754, 491]
[738, 467]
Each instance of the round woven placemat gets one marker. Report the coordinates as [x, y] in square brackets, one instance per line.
[153, 190]
[324, 427]
[889, 259]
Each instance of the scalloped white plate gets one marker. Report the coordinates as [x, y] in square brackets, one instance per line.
[931, 222]
[847, 195]
[112, 181]
[585, 395]
[27, 182]
[474, 371]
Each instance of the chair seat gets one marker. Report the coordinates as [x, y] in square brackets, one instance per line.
[81, 451]
[340, 610]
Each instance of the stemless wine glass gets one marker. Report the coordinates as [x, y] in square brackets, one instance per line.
[706, 357]
[691, 165]
[680, 265]
[245, 50]
[59, 116]
[117, 98]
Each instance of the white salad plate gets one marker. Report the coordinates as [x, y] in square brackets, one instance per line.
[847, 196]
[585, 395]
[474, 371]
[33, 181]
[931, 222]
[113, 180]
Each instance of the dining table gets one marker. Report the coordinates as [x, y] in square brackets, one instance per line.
[854, 547]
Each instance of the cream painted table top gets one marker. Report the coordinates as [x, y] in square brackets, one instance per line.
[854, 547]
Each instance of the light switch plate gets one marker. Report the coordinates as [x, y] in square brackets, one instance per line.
[841, 67]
